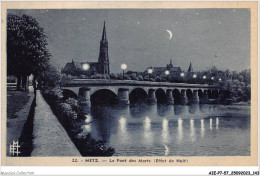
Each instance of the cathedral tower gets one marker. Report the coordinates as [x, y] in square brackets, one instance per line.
[103, 60]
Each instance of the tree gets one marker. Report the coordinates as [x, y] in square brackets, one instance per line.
[50, 77]
[26, 48]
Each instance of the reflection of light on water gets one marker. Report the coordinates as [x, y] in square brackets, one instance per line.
[88, 118]
[147, 131]
[217, 122]
[147, 124]
[122, 137]
[166, 150]
[180, 129]
[202, 127]
[165, 130]
[122, 124]
[165, 125]
[192, 130]
[210, 123]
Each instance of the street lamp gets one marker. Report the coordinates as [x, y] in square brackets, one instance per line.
[220, 79]
[194, 76]
[167, 73]
[123, 67]
[182, 75]
[150, 71]
[212, 78]
[204, 77]
[85, 66]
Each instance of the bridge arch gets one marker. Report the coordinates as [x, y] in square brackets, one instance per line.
[69, 94]
[160, 95]
[137, 95]
[189, 95]
[95, 89]
[200, 94]
[210, 94]
[103, 97]
[177, 96]
[215, 93]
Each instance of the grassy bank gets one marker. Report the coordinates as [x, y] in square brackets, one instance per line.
[16, 100]
[18, 107]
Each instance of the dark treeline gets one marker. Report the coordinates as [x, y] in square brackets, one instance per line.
[26, 48]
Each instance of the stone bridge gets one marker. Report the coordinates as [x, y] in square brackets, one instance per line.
[128, 90]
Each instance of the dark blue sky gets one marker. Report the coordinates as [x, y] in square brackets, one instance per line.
[205, 37]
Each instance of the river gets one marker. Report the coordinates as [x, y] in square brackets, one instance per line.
[171, 130]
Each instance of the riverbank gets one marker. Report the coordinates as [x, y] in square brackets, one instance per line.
[18, 107]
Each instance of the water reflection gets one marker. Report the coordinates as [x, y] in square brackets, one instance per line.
[166, 150]
[181, 110]
[210, 123]
[194, 109]
[165, 110]
[165, 130]
[152, 110]
[180, 129]
[155, 130]
[217, 122]
[192, 130]
[122, 131]
[122, 125]
[147, 130]
[202, 128]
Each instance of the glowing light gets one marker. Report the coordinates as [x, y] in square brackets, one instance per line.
[204, 77]
[180, 129]
[165, 130]
[212, 78]
[150, 71]
[210, 123]
[123, 66]
[217, 123]
[192, 130]
[122, 123]
[167, 72]
[166, 150]
[147, 124]
[165, 125]
[85, 66]
[182, 74]
[194, 76]
[220, 79]
[202, 127]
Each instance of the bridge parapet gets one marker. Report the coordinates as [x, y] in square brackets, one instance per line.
[85, 88]
[109, 82]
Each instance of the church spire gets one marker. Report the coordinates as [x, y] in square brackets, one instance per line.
[103, 59]
[104, 36]
[190, 68]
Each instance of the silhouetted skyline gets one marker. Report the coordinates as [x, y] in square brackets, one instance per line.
[138, 37]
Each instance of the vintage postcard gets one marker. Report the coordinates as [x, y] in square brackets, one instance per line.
[129, 84]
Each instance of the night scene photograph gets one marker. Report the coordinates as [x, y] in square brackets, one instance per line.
[128, 82]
